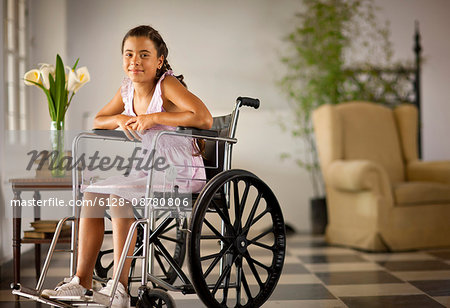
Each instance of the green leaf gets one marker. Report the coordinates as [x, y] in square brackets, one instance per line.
[52, 85]
[51, 106]
[75, 65]
[60, 83]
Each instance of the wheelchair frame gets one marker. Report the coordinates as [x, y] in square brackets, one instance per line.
[151, 232]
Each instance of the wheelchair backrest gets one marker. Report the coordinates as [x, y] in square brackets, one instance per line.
[212, 159]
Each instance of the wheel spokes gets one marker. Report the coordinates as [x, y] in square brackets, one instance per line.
[224, 273]
[237, 211]
[225, 216]
[244, 198]
[271, 248]
[258, 217]
[246, 287]
[214, 230]
[238, 280]
[249, 221]
[253, 269]
[261, 235]
[226, 286]
[217, 257]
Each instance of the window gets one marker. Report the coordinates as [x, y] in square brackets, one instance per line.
[15, 62]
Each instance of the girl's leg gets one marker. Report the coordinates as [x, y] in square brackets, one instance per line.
[90, 237]
[122, 218]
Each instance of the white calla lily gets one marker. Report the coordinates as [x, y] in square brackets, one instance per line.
[46, 70]
[65, 80]
[32, 75]
[78, 79]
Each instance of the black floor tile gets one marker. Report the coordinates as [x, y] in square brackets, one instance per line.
[189, 303]
[433, 287]
[331, 258]
[301, 292]
[425, 265]
[444, 254]
[22, 304]
[308, 244]
[357, 277]
[400, 301]
[292, 268]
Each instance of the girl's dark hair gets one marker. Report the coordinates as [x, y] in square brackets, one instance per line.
[161, 48]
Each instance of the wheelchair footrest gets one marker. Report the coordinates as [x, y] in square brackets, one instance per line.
[40, 299]
[93, 298]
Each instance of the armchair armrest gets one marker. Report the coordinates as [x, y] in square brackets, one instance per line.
[358, 175]
[429, 171]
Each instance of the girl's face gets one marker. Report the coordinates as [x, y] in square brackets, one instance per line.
[140, 59]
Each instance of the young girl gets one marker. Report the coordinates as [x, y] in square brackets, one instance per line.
[151, 98]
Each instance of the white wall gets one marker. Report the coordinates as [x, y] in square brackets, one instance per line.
[434, 20]
[226, 49]
[48, 29]
[4, 221]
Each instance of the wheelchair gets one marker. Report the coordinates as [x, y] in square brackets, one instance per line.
[235, 240]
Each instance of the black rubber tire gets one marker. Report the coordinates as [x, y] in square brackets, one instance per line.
[237, 244]
[155, 298]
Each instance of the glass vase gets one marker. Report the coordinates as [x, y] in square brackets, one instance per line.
[57, 143]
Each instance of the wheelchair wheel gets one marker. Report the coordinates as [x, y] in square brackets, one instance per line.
[237, 245]
[157, 298]
[173, 239]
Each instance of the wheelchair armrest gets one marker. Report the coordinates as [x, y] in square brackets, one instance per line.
[196, 131]
[119, 134]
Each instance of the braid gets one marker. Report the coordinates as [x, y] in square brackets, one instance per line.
[166, 67]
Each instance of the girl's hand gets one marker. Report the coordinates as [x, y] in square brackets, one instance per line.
[141, 122]
[121, 121]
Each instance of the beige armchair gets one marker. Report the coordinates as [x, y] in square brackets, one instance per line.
[380, 196]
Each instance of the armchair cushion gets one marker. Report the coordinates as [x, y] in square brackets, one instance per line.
[421, 193]
[434, 171]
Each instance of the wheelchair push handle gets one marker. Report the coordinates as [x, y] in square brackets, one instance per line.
[248, 101]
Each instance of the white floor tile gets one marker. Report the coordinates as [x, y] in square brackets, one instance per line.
[422, 275]
[374, 289]
[408, 256]
[342, 267]
[329, 303]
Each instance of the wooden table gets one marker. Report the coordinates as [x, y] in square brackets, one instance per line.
[36, 185]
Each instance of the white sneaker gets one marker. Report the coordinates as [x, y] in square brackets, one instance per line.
[70, 288]
[121, 298]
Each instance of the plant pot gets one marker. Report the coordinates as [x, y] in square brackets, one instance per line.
[319, 216]
[57, 143]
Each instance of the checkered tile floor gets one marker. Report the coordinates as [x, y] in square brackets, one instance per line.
[318, 275]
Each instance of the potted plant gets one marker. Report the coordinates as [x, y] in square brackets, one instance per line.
[326, 35]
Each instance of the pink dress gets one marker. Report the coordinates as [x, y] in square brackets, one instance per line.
[178, 152]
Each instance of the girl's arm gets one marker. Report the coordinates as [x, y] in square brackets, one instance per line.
[110, 117]
[182, 109]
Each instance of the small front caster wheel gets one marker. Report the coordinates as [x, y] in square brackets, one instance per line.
[157, 298]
